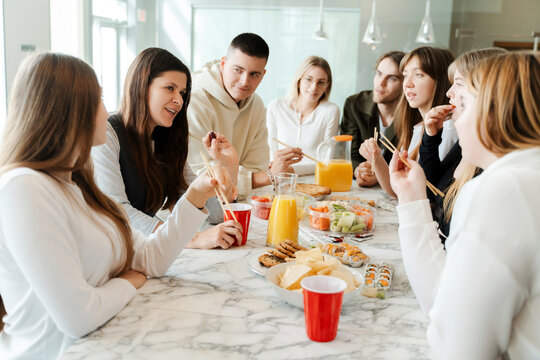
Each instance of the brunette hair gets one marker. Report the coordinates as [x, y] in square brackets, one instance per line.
[251, 44]
[162, 167]
[52, 117]
[464, 64]
[508, 111]
[294, 90]
[434, 62]
[395, 56]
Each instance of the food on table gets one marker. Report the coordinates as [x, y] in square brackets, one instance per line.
[367, 202]
[378, 279]
[340, 216]
[283, 252]
[261, 206]
[346, 253]
[313, 189]
[312, 262]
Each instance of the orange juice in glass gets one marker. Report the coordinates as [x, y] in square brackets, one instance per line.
[283, 220]
[337, 175]
[335, 168]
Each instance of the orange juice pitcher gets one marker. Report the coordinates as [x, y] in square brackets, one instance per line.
[283, 220]
[335, 169]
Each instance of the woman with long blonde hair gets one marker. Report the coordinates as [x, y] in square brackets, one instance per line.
[482, 293]
[304, 118]
[69, 260]
[425, 82]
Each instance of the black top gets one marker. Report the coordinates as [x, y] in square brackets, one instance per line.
[360, 119]
[133, 182]
[439, 173]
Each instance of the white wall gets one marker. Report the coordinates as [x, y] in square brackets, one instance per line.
[67, 27]
[399, 22]
[2, 70]
[26, 22]
[494, 20]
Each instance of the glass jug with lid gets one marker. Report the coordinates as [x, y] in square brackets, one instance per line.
[335, 167]
[283, 220]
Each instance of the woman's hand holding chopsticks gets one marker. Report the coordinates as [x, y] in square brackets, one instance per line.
[408, 181]
[284, 158]
[203, 187]
[222, 152]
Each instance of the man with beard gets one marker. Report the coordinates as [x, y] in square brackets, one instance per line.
[369, 110]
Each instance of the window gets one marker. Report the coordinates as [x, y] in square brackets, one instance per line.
[109, 39]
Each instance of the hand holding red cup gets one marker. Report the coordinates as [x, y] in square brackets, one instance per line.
[243, 215]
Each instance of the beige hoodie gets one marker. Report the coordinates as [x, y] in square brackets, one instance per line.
[244, 125]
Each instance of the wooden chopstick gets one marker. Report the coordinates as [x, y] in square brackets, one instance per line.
[217, 189]
[303, 153]
[388, 144]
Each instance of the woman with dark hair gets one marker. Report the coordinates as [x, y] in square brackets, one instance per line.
[425, 82]
[69, 261]
[143, 165]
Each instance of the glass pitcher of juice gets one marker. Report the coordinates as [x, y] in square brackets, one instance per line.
[283, 220]
[335, 167]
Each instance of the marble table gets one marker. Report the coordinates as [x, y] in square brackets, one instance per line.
[211, 305]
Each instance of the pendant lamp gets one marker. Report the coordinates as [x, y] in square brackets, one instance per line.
[372, 34]
[426, 34]
[319, 34]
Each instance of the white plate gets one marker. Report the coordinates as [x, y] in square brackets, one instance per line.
[254, 264]
[296, 298]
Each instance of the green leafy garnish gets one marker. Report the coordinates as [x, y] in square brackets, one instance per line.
[338, 207]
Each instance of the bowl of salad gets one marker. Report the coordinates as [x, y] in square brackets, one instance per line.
[341, 217]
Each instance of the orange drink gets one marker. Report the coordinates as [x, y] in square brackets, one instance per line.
[283, 221]
[337, 175]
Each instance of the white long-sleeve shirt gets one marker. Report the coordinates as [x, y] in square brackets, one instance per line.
[284, 125]
[483, 294]
[56, 259]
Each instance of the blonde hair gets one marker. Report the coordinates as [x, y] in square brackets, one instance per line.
[294, 90]
[464, 64]
[508, 110]
[51, 118]
[434, 62]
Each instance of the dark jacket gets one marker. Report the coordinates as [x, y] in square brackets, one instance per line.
[360, 119]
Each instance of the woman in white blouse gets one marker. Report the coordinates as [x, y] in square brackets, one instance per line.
[483, 293]
[305, 117]
[69, 260]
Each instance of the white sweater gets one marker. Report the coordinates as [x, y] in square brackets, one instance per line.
[283, 124]
[483, 294]
[56, 256]
[244, 125]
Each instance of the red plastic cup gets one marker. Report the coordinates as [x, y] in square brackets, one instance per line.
[323, 296]
[243, 214]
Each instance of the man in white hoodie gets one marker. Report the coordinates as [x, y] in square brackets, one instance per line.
[223, 100]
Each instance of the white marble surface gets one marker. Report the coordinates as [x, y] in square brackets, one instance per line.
[211, 305]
